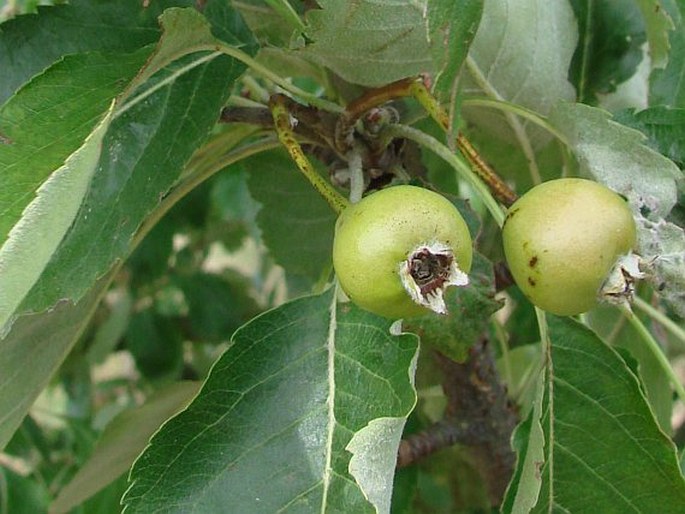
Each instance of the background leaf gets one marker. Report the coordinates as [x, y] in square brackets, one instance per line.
[593, 406]
[369, 42]
[297, 224]
[121, 442]
[609, 48]
[521, 53]
[666, 85]
[288, 395]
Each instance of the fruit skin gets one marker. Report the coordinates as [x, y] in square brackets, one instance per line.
[562, 238]
[373, 237]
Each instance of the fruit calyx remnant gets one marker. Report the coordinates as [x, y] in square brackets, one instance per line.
[619, 286]
[428, 271]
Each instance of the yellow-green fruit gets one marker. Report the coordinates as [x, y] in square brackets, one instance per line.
[374, 237]
[561, 240]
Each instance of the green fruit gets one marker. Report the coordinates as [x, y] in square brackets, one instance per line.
[561, 240]
[397, 250]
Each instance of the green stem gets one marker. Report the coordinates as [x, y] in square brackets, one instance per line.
[265, 72]
[282, 123]
[519, 110]
[462, 169]
[655, 349]
[661, 318]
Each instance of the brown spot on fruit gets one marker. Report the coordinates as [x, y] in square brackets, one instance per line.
[531, 281]
[533, 261]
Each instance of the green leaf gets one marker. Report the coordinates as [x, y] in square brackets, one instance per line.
[658, 25]
[521, 53]
[593, 406]
[528, 442]
[217, 305]
[616, 156]
[300, 388]
[451, 29]
[122, 440]
[49, 119]
[156, 344]
[369, 42]
[143, 155]
[39, 342]
[30, 44]
[664, 128]
[611, 325]
[666, 85]
[34, 238]
[609, 49]
[296, 222]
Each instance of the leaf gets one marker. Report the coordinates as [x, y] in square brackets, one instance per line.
[143, 155]
[609, 49]
[156, 344]
[33, 240]
[451, 29]
[296, 222]
[658, 24]
[528, 442]
[297, 387]
[616, 156]
[122, 440]
[593, 406]
[664, 128]
[29, 44]
[521, 53]
[39, 342]
[666, 85]
[369, 42]
[49, 119]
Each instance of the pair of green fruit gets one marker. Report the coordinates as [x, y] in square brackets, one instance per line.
[397, 250]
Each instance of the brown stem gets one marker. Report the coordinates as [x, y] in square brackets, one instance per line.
[478, 415]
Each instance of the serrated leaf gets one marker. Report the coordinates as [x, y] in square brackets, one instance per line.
[144, 153]
[121, 442]
[664, 128]
[288, 396]
[593, 405]
[49, 118]
[35, 237]
[369, 42]
[31, 43]
[521, 53]
[296, 222]
[658, 25]
[609, 49]
[666, 85]
[373, 42]
[616, 156]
